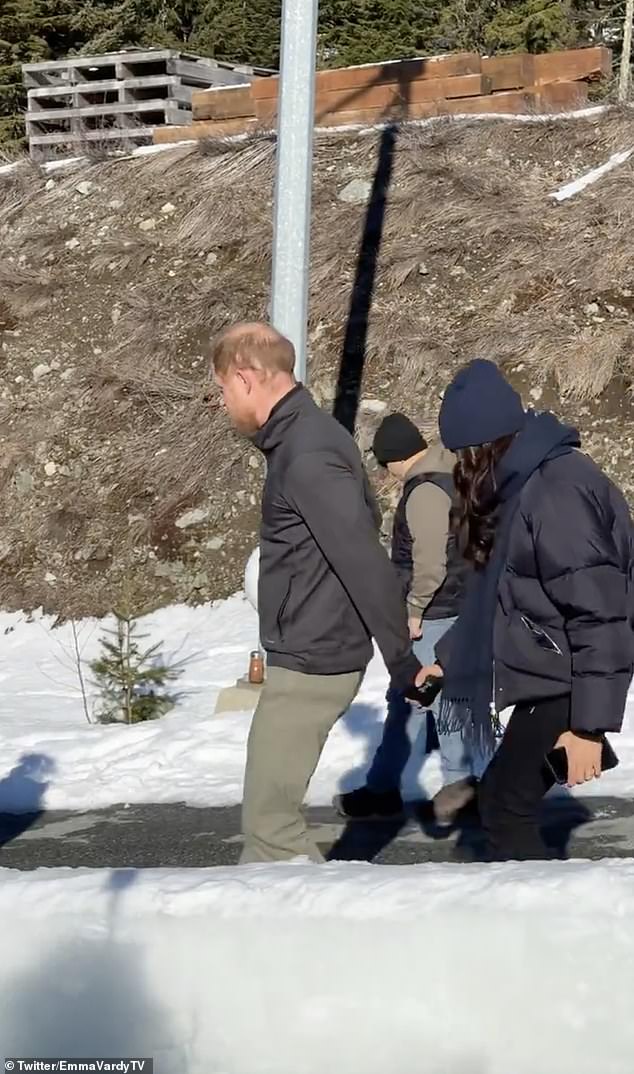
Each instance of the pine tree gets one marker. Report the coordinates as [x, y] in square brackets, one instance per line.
[132, 681]
[533, 25]
[363, 31]
[36, 30]
[143, 23]
[239, 31]
[19, 42]
[248, 31]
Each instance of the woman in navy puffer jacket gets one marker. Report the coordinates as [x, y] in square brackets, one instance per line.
[547, 625]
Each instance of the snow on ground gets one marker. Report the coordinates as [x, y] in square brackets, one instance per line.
[577, 185]
[298, 969]
[291, 968]
[50, 756]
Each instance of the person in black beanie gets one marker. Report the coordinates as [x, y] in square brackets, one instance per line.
[547, 621]
[431, 570]
[396, 440]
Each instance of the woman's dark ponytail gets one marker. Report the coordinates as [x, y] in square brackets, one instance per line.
[476, 518]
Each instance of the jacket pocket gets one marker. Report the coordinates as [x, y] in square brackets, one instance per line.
[282, 610]
[526, 648]
[540, 636]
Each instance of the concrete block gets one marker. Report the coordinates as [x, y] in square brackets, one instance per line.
[243, 697]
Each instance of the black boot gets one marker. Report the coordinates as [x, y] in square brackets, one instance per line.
[365, 804]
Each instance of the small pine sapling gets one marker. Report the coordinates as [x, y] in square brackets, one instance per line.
[133, 681]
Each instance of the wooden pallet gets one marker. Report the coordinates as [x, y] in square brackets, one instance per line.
[86, 98]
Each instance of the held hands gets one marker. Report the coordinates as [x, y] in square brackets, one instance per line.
[422, 692]
[434, 671]
[584, 756]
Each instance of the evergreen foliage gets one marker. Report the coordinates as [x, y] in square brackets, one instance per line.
[133, 681]
[248, 31]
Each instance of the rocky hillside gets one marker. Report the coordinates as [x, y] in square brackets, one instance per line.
[118, 481]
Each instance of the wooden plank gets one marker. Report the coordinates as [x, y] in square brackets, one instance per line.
[563, 96]
[113, 133]
[167, 135]
[508, 102]
[35, 74]
[555, 97]
[178, 92]
[83, 112]
[176, 116]
[509, 72]
[399, 95]
[40, 78]
[223, 104]
[377, 74]
[393, 97]
[105, 59]
[109, 85]
[205, 74]
[204, 129]
[573, 65]
[415, 70]
[245, 70]
[369, 117]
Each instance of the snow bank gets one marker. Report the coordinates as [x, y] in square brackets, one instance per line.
[50, 757]
[291, 969]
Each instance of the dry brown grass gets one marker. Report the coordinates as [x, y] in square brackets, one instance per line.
[125, 254]
[17, 187]
[544, 289]
[201, 457]
[25, 291]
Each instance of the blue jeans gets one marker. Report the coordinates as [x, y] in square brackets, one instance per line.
[404, 723]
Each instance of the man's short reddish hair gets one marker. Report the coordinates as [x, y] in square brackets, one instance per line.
[253, 345]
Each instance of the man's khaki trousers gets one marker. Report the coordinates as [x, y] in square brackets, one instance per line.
[291, 724]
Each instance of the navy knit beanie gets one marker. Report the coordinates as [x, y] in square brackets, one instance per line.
[479, 406]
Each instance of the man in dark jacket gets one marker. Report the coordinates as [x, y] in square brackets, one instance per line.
[326, 585]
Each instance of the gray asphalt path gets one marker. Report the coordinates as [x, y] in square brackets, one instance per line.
[180, 836]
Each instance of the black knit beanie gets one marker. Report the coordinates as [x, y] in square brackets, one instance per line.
[397, 439]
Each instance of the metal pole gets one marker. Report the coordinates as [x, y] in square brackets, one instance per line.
[626, 55]
[291, 241]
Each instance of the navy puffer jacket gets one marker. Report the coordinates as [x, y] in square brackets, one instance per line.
[565, 616]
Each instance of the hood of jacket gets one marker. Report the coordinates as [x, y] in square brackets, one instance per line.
[542, 437]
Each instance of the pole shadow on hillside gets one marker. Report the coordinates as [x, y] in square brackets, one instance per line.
[353, 353]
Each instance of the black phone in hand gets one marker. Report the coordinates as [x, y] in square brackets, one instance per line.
[557, 761]
[425, 694]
